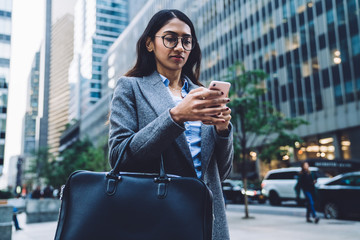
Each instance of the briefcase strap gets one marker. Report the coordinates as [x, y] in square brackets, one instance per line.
[116, 170]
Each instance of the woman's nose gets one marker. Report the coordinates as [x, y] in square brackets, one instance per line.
[179, 46]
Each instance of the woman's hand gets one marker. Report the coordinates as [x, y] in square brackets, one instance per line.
[204, 105]
[224, 126]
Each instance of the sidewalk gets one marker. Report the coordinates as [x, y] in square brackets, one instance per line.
[260, 226]
[281, 227]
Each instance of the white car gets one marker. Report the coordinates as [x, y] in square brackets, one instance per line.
[279, 185]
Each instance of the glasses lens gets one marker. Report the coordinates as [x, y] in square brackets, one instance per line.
[170, 41]
[187, 43]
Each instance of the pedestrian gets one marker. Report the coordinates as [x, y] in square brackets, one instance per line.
[15, 220]
[48, 192]
[36, 194]
[306, 182]
[162, 103]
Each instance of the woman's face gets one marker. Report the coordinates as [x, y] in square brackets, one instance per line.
[306, 166]
[170, 60]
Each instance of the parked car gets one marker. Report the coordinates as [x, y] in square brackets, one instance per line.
[234, 191]
[278, 185]
[340, 197]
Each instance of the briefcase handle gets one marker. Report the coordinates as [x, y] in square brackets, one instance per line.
[116, 170]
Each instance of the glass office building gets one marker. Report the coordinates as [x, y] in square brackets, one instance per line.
[62, 36]
[32, 102]
[5, 48]
[97, 24]
[310, 49]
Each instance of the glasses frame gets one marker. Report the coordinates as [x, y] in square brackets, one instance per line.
[177, 42]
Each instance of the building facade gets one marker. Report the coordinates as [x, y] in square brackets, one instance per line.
[5, 52]
[32, 101]
[310, 49]
[43, 107]
[97, 24]
[61, 53]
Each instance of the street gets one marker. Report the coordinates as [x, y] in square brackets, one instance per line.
[265, 222]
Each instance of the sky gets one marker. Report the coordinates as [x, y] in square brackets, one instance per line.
[27, 34]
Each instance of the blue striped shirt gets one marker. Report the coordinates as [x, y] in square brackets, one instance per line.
[192, 128]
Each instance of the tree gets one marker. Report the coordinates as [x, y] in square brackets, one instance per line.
[82, 155]
[256, 123]
[38, 165]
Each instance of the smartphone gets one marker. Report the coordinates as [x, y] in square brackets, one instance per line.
[221, 86]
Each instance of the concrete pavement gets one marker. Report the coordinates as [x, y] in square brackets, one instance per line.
[259, 226]
[281, 227]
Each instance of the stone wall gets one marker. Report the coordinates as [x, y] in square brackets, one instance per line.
[6, 213]
[42, 210]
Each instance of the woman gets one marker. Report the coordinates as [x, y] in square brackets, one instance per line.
[161, 102]
[306, 182]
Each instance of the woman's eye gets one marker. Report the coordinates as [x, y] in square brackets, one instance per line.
[187, 41]
[170, 39]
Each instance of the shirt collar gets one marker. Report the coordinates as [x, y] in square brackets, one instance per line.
[166, 83]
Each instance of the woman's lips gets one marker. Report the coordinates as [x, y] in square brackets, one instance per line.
[177, 57]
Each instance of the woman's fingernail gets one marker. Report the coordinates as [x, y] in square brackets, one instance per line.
[222, 93]
[228, 100]
[227, 108]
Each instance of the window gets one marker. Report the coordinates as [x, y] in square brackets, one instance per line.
[355, 45]
[283, 93]
[109, 20]
[353, 26]
[326, 78]
[281, 61]
[308, 95]
[110, 29]
[99, 50]
[96, 68]
[4, 62]
[112, 13]
[329, 16]
[96, 59]
[284, 10]
[5, 38]
[96, 77]
[352, 10]
[3, 100]
[283, 175]
[319, 9]
[95, 85]
[95, 94]
[340, 13]
[347, 181]
[306, 70]
[322, 41]
[110, 4]
[328, 5]
[317, 91]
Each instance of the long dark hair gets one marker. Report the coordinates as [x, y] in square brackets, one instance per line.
[145, 63]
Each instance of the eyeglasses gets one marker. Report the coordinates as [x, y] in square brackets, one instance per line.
[171, 41]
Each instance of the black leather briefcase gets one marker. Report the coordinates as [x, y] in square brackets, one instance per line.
[134, 206]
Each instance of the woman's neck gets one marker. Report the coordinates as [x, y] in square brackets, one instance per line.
[174, 78]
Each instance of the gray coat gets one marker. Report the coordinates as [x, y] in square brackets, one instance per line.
[141, 106]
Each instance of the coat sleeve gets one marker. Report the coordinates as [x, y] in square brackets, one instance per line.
[224, 151]
[148, 142]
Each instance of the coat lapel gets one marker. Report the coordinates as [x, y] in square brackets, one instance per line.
[160, 100]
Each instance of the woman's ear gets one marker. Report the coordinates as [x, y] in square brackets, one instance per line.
[149, 44]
